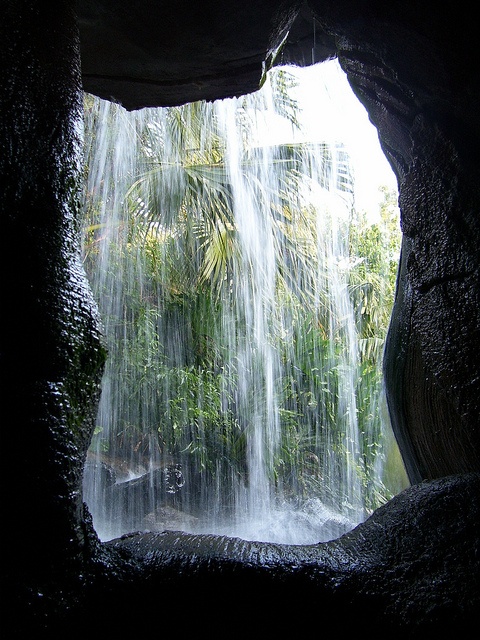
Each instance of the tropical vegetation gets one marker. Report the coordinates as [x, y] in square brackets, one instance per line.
[184, 292]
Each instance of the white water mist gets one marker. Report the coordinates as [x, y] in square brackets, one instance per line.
[222, 267]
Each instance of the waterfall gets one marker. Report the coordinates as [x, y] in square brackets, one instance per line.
[239, 396]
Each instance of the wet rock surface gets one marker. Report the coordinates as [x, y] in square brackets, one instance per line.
[169, 53]
[397, 573]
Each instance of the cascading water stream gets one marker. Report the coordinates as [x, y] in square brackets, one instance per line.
[256, 357]
[234, 399]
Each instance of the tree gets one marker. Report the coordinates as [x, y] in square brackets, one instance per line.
[179, 327]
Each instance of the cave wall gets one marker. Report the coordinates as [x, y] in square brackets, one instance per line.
[414, 69]
[52, 354]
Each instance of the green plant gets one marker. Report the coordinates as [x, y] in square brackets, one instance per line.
[177, 324]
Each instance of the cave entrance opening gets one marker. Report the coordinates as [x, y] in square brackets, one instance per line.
[244, 260]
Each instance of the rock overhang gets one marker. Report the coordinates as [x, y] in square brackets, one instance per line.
[156, 54]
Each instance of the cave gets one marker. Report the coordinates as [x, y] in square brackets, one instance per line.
[413, 566]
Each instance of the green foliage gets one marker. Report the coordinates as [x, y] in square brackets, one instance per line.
[178, 235]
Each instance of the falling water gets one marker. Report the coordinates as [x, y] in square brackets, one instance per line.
[234, 399]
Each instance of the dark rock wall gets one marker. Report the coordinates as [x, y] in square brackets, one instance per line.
[169, 53]
[51, 353]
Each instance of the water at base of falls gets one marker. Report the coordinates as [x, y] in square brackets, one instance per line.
[312, 523]
[242, 394]
[154, 502]
[309, 523]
